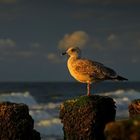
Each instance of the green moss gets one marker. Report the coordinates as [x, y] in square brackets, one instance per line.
[134, 121]
[81, 101]
[136, 101]
[76, 103]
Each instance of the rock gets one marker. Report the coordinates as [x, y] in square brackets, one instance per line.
[123, 130]
[134, 109]
[16, 123]
[84, 118]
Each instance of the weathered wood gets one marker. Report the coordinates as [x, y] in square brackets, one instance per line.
[134, 109]
[16, 123]
[123, 130]
[84, 118]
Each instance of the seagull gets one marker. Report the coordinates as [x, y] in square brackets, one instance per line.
[88, 71]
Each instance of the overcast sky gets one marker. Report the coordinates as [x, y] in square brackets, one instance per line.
[33, 33]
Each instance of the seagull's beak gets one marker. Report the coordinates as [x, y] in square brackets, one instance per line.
[64, 53]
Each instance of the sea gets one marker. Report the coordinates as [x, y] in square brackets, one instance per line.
[44, 99]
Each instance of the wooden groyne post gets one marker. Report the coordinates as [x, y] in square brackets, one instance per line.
[134, 109]
[16, 123]
[84, 118]
[128, 129]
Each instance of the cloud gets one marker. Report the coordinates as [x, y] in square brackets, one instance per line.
[52, 57]
[7, 43]
[135, 60]
[24, 54]
[35, 45]
[8, 1]
[9, 49]
[114, 41]
[112, 37]
[77, 38]
[17, 54]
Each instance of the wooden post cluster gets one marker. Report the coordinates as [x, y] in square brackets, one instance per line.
[128, 129]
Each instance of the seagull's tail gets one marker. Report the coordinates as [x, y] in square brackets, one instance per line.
[120, 78]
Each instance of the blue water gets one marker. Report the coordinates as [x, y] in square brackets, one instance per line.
[44, 99]
[59, 91]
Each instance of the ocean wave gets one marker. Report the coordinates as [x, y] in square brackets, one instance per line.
[122, 98]
[18, 97]
[121, 93]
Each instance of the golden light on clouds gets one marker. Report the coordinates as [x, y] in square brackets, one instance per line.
[77, 38]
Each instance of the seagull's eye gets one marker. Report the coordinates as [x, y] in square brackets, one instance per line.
[73, 50]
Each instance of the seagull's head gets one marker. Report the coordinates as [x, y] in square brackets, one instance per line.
[73, 52]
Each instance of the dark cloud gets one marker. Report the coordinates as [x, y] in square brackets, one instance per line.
[54, 57]
[12, 50]
[106, 1]
[8, 1]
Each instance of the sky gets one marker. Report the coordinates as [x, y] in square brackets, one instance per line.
[34, 33]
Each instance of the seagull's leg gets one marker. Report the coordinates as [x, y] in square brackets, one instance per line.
[88, 89]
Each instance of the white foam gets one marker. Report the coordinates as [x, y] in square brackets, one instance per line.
[46, 123]
[123, 98]
[50, 125]
[18, 97]
[46, 106]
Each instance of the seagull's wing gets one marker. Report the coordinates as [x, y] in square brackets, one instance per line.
[95, 69]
